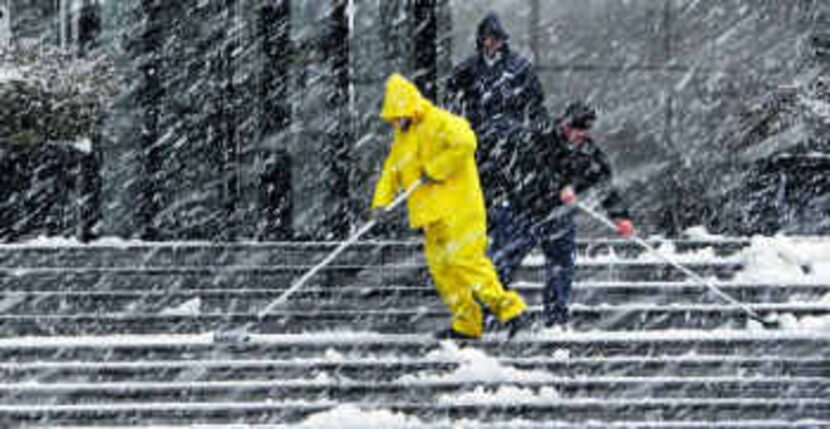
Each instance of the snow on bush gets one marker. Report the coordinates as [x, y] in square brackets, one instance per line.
[50, 95]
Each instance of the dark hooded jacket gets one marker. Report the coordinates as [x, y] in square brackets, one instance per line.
[554, 163]
[503, 102]
[497, 98]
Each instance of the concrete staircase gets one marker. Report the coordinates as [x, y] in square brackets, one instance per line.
[122, 335]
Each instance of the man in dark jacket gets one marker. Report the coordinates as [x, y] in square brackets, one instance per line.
[561, 163]
[498, 92]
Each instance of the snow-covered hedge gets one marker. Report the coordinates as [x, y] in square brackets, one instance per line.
[50, 95]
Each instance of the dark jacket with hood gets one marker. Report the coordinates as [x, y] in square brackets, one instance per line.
[554, 163]
[498, 97]
[503, 100]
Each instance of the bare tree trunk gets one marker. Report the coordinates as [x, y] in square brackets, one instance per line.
[230, 161]
[337, 154]
[149, 99]
[275, 27]
[275, 191]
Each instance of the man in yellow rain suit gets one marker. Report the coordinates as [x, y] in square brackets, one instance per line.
[438, 147]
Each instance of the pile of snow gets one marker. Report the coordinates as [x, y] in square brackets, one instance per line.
[766, 260]
[786, 259]
[502, 395]
[348, 416]
[332, 355]
[788, 321]
[801, 259]
[188, 308]
[475, 366]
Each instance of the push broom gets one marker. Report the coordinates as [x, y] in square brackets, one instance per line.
[242, 334]
[769, 322]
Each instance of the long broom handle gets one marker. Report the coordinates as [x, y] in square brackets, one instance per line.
[363, 230]
[716, 290]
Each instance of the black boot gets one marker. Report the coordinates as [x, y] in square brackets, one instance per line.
[557, 316]
[516, 324]
[452, 334]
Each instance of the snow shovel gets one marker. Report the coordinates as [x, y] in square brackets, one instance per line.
[242, 335]
[769, 322]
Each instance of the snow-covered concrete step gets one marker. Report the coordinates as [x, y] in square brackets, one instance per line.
[603, 376]
[107, 253]
[351, 416]
[78, 300]
[429, 317]
[532, 344]
[431, 388]
[314, 290]
[383, 367]
[241, 276]
[554, 409]
[628, 371]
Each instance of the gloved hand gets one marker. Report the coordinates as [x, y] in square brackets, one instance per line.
[625, 227]
[567, 195]
[381, 215]
[426, 180]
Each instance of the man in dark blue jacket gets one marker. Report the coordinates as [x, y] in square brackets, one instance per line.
[498, 92]
[560, 163]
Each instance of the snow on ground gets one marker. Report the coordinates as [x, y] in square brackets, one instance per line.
[187, 308]
[117, 242]
[767, 259]
[502, 395]
[785, 259]
[365, 338]
[348, 416]
[790, 260]
[475, 365]
[793, 260]
[777, 257]
[666, 248]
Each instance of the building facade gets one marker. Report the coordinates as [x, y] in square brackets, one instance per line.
[257, 119]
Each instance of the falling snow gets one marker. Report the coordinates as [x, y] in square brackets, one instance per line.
[168, 169]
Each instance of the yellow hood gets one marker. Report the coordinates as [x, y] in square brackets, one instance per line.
[402, 100]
